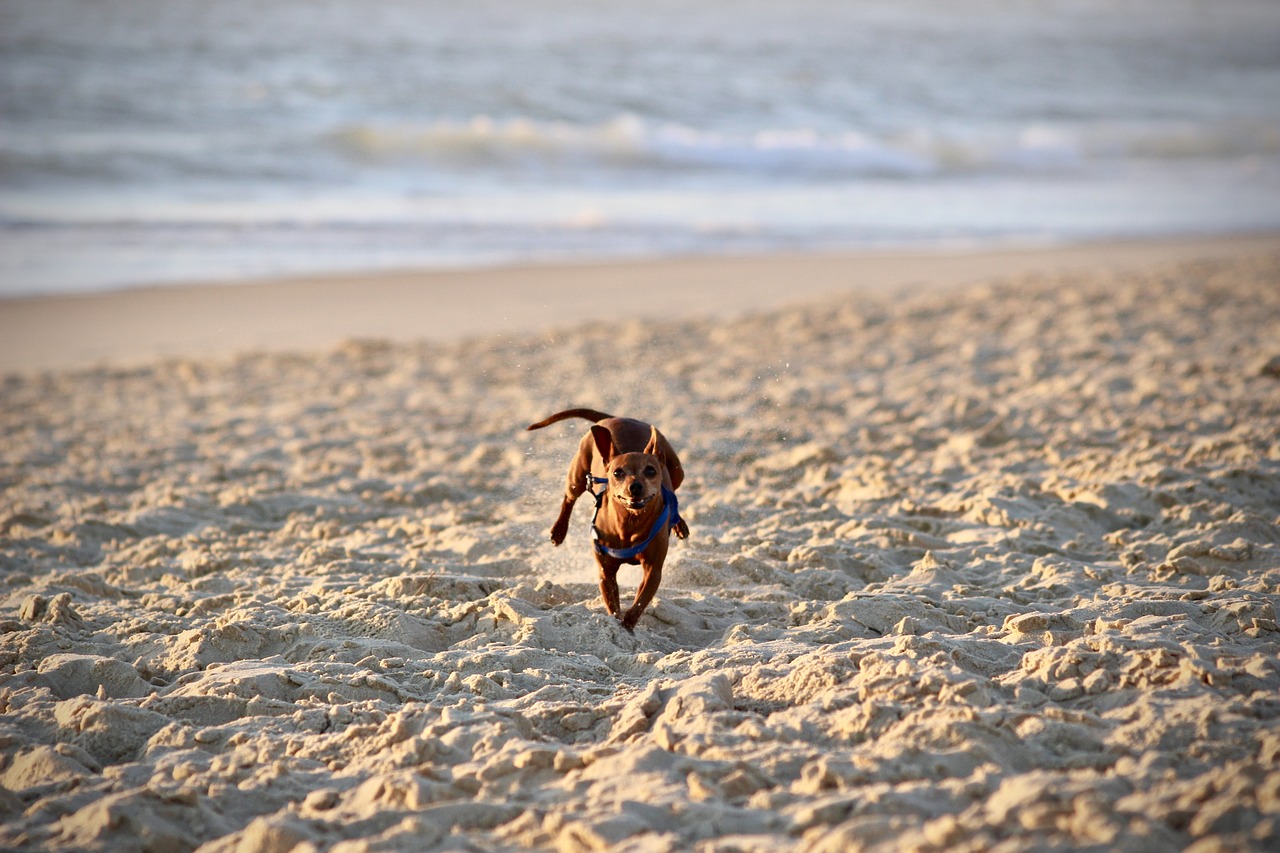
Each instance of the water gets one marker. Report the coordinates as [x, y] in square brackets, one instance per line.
[176, 140]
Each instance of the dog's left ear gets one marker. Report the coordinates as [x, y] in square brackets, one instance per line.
[654, 447]
[604, 442]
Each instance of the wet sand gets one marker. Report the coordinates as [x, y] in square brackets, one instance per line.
[136, 326]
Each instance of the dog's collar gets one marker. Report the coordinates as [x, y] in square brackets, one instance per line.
[670, 517]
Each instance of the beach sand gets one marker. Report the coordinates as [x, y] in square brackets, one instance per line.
[140, 325]
[982, 558]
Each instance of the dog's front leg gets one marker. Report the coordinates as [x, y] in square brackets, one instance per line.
[574, 485]
[648, 588]
[609, 585]
[560, 528]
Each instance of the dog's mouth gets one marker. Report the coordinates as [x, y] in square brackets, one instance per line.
[635, 503]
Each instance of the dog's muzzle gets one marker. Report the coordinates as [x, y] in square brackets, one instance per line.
[634, 501]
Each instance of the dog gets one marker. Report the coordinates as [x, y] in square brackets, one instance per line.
[636, 509]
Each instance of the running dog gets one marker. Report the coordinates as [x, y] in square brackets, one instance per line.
[638, 473]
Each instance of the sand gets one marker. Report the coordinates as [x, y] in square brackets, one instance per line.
[139, 325]
[991, 567]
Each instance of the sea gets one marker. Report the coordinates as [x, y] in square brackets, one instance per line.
[174, 141]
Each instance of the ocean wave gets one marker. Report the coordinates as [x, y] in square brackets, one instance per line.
[628, 143]
[450, 156]
[622, 144]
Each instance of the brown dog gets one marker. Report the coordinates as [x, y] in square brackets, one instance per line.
[636, 509]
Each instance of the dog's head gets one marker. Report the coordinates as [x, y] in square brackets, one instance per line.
[634, 479]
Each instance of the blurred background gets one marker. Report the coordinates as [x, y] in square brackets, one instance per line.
[182, 140]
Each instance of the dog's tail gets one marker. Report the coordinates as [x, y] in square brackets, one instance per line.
[590, 414]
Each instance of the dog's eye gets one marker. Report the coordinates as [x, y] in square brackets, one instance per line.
[651, 471]
[619, 474]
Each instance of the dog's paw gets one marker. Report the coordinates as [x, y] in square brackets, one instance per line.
[682, 529]
[558, 533]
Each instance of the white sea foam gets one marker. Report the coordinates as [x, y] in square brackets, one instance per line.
[500, 130]
[629, 142]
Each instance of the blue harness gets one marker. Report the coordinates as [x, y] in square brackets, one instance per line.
[670, 517]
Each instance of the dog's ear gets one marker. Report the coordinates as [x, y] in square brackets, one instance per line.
[654, 447]
[604, 442]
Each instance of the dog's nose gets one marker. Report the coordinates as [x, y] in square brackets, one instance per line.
[636, 489]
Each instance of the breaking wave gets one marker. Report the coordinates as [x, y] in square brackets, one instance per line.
[629, 142]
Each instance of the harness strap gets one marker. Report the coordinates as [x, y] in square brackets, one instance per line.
[670, 516]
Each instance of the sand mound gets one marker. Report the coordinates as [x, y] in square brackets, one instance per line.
[995, 569]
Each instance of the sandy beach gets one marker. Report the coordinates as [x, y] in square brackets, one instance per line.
[985, 555]
[139, 325]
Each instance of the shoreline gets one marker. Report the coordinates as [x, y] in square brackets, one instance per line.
[142, 324]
